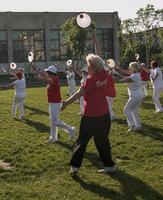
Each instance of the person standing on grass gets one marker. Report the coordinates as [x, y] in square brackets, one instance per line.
[112, 92]
[19, 96]
[157, 82]
[95, 121]
[54, 99]
[71, 80]
[145, 78]
[135, 92]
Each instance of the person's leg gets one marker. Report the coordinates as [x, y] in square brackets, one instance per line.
[102, 141]
[82, 105]
[156, 96]
[135, 114]
[14, 107]
[60, 124]
[128, 112]
[82, 141]
[52, 118]
[21, 107]
[110, 103]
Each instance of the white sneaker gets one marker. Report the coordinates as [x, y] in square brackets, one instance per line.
[108, 170]
[130, 129]
[159, 110]
[72, 133]
[73, 170]
[51, 140]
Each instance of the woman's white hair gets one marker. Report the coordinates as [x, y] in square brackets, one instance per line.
[96, 61]
[135, 66]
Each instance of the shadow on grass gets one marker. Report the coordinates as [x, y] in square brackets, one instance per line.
[147, 105]
[36, 110]
[132, 188]
[92, 157]
[37, 125]
[99, 190]
[150, 131]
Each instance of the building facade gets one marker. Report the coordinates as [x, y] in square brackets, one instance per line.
[22, 32]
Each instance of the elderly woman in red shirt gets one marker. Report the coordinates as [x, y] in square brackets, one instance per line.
[96, 119]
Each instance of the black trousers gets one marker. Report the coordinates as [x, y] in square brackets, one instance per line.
[98, 127]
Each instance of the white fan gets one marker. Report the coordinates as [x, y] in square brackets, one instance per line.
[83, 20]
[111, 63]
[69, 62]
[13, 65]
[30, 56]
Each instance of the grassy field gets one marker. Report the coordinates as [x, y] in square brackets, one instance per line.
[41, 170]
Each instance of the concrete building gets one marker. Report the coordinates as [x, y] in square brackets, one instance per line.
[22, 32]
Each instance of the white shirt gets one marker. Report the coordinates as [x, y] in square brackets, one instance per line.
[70, 76]
[158, 83]
[135, 87]
[20, 86]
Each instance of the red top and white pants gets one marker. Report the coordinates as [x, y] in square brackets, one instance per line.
[95, 121]
[145, 78]
[54, 100]
[110, 98]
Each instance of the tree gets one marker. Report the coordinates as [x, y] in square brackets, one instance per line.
[140, 35]
[75, 37]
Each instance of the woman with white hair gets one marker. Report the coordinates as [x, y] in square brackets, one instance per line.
[96, 118]
[135, 92]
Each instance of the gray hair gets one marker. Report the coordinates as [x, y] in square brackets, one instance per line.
[96, 61]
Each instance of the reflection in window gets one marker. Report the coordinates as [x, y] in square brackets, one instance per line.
[26, 41]
[3, 47]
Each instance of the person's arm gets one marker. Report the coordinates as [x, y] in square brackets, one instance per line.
[154, 77]
[126, 71]
[77, 71]
[11, 85]
[73, 98]
[126, 80]
[42, 76]
[96, 45]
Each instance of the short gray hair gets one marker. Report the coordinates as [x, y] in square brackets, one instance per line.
[96, 61]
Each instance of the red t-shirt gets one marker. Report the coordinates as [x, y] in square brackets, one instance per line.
[111, 89]
[144, 75]
[53, 91]
[96, 89]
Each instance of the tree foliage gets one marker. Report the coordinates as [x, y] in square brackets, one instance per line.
[75, 37]
[141, 35]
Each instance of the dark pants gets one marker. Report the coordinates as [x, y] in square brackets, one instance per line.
[98, 127]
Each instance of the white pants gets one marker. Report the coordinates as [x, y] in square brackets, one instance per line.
[18, 101]
[71, 87]
[82, 105]
[144, 86]
[55, 123]
[156, 98]
[131, 111]
[110, 104]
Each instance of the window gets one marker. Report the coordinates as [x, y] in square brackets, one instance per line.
[105, 41]
[26, 41]
[3, 47]
[58, 50]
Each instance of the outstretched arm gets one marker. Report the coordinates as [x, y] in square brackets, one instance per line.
[73, 98]
[96, 45]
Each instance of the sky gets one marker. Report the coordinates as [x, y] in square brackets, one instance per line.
[125, 8]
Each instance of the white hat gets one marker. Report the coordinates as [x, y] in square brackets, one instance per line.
[52, 69]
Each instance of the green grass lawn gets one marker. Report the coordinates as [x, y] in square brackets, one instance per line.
[41, 170]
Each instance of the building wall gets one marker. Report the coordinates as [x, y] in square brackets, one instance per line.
[12, 21]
